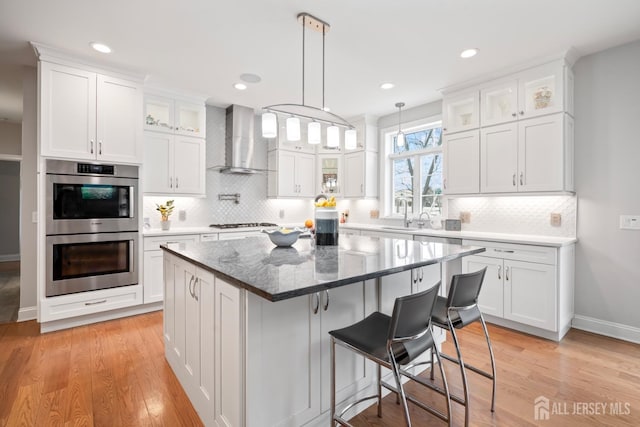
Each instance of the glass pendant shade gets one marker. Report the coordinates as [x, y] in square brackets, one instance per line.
[314, 133]
[293, 129]
[269, 125]
[350, 142]
[400, 139]
[333, 137]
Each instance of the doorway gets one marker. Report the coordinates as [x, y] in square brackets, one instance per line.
[10, 241]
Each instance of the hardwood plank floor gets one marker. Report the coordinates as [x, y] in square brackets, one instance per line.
[114, 373]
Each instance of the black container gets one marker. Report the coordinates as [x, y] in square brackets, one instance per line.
[326, 227]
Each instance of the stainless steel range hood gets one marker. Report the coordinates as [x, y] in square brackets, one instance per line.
[239, 141]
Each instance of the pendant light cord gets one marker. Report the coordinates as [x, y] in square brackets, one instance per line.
[323, 37]
[303, 43]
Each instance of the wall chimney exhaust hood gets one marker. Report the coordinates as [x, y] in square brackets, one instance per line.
[239, 141]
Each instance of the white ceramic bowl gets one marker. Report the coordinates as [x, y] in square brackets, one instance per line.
[283, 238]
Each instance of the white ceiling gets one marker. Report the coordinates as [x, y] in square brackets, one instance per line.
[202, 46]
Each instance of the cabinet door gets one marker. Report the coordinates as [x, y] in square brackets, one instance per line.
[530, 294]
[460, 112]
[354, 174]
[499, 103]
[181, 278]
[229, 355]
[168, 315]
[67, 112]
[342, 307]
[462, 163]
[189, 165]
[158, 113]
[491, 298]
[499, 158]
[158, 163]
[305, 175]
[190, 119]
[287, 185]
[329, 174]
[153, 267]
[192, 332]
[541, 154]
[119, 130]
[541, 90]
[205, 290]
[283, 359]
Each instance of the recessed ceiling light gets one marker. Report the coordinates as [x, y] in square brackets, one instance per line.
[386, 86]
[100, 47]
[240, 86]
[469, 53]
[250, 78]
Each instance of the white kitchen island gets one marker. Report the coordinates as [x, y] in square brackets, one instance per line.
[246, 324]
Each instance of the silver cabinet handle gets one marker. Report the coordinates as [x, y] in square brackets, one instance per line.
[170, 182]
[522, 113]
[414, 277]
[499, 272]
[191, 283]
[317, 304]
[514, 179]
[421, 274]
[100, 147]
[504, 250]
[506, 273]
[513, 114]
[177, 182]
[195, 293]
[91, 143]
[444, 183]
[326, 301]
[362, 188]
[96, 302]
[521, 178]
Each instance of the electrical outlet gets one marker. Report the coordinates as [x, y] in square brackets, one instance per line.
[630, 222]
[182, 215]
[374, 214]
[281, 213]
[465, 217]
[555, 219]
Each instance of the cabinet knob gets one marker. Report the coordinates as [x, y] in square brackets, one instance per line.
[444, 129]
[513, 114]
[522, 113]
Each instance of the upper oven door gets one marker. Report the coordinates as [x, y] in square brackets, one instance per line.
[90, 204]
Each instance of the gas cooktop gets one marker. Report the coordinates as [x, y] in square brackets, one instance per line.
[244, 225]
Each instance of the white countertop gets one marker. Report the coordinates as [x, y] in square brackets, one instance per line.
[525, 239]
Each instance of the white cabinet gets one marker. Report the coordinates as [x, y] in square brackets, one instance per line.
[528, 155]
[462, 162]
[291, 174]
[361, 174]
[165, 114]
[174, 164]
[153, 265]
[281, 142]
[541, 90]
[89, 116]
[366, 133]
[202, 332]
[529, 286]
[460, 111]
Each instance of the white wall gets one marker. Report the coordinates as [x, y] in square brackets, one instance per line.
[607, 167]
[28, 178]
[10, 138]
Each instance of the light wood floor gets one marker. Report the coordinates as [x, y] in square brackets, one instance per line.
[114, 374]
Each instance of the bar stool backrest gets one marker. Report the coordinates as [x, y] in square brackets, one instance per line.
[411, 323]
[464, 292]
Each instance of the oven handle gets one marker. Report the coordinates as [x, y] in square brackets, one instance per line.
[132, 202]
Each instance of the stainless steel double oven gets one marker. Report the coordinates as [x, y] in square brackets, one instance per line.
[91, 226]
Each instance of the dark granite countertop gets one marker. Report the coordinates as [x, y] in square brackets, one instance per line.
[282, 273]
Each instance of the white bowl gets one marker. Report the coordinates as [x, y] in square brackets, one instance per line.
[283, 238]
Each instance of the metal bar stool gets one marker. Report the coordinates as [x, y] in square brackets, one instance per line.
[458, 310]
[391, 342]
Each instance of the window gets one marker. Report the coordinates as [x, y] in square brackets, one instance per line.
[415, 170]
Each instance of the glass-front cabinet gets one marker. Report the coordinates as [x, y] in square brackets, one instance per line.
[165, 114]
[330, 173]
[461, 111]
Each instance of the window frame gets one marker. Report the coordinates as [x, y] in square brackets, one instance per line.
[387, 136]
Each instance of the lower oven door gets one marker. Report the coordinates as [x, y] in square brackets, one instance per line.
[86, 262]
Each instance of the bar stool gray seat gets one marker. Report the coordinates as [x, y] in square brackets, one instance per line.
[391, 342]
[457, 310]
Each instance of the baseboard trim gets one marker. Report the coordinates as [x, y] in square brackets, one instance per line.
[609, 329]
[27, 313]
[10, 257]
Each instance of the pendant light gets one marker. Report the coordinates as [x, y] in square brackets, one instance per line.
[316, 116]
[400, 136]
[350, 142]
[269, 125]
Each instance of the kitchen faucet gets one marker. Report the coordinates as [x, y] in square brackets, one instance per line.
[421, 223]
[407, 221]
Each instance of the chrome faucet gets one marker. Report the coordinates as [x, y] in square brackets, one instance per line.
[407, 222]
[421, 223]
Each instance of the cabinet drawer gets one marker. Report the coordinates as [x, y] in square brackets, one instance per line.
[529, 253]
[153, 243]
[79, 304]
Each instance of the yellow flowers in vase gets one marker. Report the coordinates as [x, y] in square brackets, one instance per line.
[165, 211]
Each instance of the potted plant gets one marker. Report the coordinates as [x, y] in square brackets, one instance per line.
[165, 211]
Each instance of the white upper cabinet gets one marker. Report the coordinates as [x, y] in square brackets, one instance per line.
[531, 93]
[291, 174]
[89, 116]
[460, 111]
[462, 162]
[165, 114]
[361, 175]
